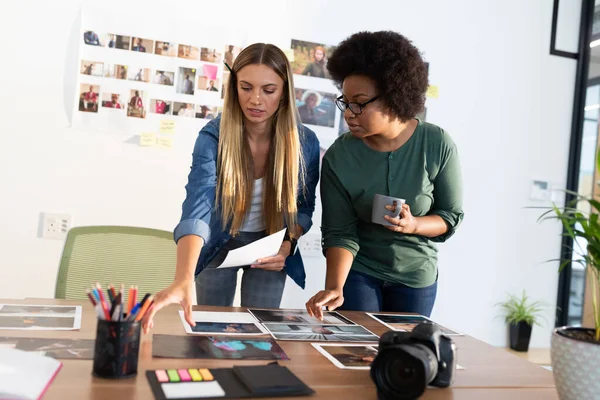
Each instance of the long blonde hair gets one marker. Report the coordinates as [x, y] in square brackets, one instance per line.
[235, 166]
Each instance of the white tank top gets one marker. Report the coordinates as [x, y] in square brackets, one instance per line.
[254, 220]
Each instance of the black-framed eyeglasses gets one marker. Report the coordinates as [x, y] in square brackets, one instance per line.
[354, 107]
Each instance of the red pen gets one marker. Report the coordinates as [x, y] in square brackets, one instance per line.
[103, 301]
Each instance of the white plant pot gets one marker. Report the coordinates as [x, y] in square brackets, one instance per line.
[575, 365]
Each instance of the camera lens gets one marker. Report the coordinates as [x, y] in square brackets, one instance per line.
[403, 372]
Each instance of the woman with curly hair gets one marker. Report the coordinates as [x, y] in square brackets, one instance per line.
[372, 267]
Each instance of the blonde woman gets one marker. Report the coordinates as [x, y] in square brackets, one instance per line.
[254, 172]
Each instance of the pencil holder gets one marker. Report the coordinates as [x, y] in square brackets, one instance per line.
[116, 350]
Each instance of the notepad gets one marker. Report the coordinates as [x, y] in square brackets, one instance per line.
[25, 375]
[192, 390]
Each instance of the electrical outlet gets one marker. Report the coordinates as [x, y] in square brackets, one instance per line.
[55, 226]
[310, 245]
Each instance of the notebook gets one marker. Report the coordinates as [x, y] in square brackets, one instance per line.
[25, 375]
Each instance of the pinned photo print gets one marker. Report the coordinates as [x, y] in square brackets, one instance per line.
[166, 78]
[310, 58]
[183, 109]
[138, 74]
[207, 78]
[167, 49]
[188, 52]
[158, 106]
[185, 80]
[206, 112]
[225, 84]
[210, 55]
[230, 54]
[91, 38]
[88, 97]
[118, 41]
[316, 108]
[92, 68]
[112, 100]
[142, 45]
[116, 71]
[136, 103]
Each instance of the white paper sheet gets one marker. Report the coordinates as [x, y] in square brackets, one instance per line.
[246, 255]
[223, 323]
[192, 390]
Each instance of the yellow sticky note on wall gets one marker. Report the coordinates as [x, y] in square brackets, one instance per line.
[433, 92]
[148, 139]
[165, 142]
[167, 126]
[289, 53]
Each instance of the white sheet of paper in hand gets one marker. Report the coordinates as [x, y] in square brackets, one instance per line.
[248, 254]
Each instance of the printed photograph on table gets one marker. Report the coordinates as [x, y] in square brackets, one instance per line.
[88, 97]
[188, 52]
[206, 112]
[216, 347]
[158, 106]
[76, 349]
[230, 54]
[112, 100]
[348, 356]
[335, 333]
[183, 109]
[115, 71]
[210, 55]
[316, 108]
[92, 68]
[166, 49]
[185, 80]
[39, 317]
[66, 311]
[310, 58]
[92, 38]
[298, 317]
[209, 322]
[136, 104]
[142, 45]
[118, 42]
[406, 323]
[165, 78]
[138, 74]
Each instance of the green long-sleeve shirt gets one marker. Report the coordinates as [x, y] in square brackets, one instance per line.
[425, 171]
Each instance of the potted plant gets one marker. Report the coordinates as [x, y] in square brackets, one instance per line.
[575, 352]
[521, 314]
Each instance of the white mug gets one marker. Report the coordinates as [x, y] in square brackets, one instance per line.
[379, 210]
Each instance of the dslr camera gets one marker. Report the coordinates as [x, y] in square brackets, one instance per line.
[407, 362]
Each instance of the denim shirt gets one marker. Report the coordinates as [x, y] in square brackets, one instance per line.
[200, 218]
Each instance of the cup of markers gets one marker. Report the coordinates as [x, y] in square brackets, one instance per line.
[116, 350]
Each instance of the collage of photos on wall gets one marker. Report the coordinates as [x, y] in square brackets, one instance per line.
[139, 101]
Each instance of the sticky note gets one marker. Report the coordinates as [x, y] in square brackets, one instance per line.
[148, 139]
[289, 54]
[161, 375]
[210, 71]
[433, 92]
[206, 375]
[167, 126]
[192, 390]
[184, 375]
[165, 142]
[195, 375]
[173, 375]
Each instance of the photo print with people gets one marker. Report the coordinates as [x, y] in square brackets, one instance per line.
[207, 78]
[211, 55]
[230, 54]
[112, 100]
[183, 109]
[115, 71]
[316, 108]
[138, 74]
[136, 104]
[188, 52]
[185, 80]
[207, 112]
[165, 78]
[159, 106]
[141, 45]
[310, 59]
[88, 97]
[92, 68]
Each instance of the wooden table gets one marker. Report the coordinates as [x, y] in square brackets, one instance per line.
[490, 373]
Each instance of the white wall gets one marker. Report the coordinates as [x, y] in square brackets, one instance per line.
[504, 99]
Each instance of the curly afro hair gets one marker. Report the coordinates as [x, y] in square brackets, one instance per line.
[392, 61]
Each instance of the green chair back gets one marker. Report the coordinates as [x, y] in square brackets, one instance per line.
[118, 255]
